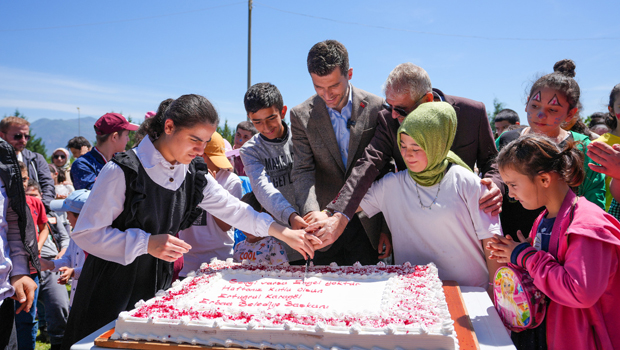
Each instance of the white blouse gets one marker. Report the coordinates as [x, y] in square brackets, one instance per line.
[95, 235]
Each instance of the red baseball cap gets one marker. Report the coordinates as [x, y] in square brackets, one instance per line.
[113, 122]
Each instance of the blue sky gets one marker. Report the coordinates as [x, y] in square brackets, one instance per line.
[127, 56]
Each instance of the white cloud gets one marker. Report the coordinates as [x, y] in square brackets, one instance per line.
[55, 93]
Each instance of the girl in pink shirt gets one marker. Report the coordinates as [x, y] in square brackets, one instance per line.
[573, 252]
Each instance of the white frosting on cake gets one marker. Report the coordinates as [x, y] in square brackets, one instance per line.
[358, 307]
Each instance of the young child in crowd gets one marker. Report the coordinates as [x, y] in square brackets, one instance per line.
[25, 322]
[259, 250]
[53, 302]
[131, 242]
[268, 157]
[61, 185]
[245, 131]
[70, 264]
[505, 118]
[209, 236]
[440, 188]
[611, 138]
[553, 100]
[573, 251]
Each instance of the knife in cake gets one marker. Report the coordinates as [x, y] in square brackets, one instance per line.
[306, 271]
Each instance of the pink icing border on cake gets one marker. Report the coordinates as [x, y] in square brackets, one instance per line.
[403, 312]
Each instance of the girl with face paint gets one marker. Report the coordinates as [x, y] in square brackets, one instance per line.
[553, 101]
[575, 250]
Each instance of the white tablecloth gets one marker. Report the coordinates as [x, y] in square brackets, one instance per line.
[487, 324]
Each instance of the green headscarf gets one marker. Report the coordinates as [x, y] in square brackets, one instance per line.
[433, 125]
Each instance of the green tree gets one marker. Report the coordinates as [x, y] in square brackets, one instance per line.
[132, 134]
[35, 144]
[497, 107]
[226, 132]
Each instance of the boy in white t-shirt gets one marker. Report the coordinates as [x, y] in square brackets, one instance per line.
[209, 236]
[259, 250]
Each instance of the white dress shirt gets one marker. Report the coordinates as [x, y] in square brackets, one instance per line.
[95, 235]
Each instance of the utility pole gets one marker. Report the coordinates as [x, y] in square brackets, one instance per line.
[79, 130]
[249, 43]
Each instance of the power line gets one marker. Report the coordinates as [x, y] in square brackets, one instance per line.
[120, 20]
[431, 33]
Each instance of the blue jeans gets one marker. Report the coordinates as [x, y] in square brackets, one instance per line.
[26, 323]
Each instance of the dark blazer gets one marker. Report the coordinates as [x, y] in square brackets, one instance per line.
[318, 172]
[473, 143]
[12, 179]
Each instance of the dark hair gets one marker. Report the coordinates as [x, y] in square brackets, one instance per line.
[186, 111]
[35, 184]
[262, 95]
[597, 118]
[582, 128]
[251, 200]
[139, 135]
[612, 120]
[533, 154]
[247, 126]
[22, 165]
[508, 115]
[325, 56]
[561, 80]
[62, 175]
[78, 142]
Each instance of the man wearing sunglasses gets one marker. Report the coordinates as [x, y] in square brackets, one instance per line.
[406, 88]
[16, 131]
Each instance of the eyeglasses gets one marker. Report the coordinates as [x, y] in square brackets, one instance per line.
[18, 137]
[59, 156]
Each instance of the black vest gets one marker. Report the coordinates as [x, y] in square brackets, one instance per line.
[107, 288]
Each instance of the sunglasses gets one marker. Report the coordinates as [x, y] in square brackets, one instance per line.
[59, 156]
[18, 137]
[400, 110]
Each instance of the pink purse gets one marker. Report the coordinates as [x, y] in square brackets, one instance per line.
[519, 303]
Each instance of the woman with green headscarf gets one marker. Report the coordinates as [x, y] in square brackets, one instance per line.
[432, 208]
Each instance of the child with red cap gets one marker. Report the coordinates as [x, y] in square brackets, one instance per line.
[112, 131]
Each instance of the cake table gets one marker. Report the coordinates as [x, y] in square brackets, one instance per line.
[476, 322]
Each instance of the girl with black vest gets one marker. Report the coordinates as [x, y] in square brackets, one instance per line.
[141, 199]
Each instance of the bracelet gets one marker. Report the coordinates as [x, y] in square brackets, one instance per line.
[329, 212]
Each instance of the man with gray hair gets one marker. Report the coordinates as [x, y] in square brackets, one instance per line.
[407, 87]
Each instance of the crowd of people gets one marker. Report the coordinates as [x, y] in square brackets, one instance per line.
[417, 176]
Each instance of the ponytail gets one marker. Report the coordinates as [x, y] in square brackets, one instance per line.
[186, 111]
[570, 165]
[534, 154]
[155, 126]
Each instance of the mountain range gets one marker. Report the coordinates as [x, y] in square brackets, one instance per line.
[57, 132]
